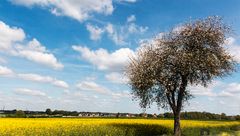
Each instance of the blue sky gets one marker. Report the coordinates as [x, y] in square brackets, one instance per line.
[70, 54]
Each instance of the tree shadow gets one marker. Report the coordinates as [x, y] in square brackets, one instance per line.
[143, 129]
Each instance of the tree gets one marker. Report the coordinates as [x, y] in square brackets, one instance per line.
[223, 116]
[20, 114]
[48, 111]
[192, 54]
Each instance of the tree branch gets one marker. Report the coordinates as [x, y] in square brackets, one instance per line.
[170, 102]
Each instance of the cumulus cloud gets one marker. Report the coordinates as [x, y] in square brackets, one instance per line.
[92, 86]
[109, 28]
[118, 34]
[131, 18]
[217, 89]
[77, 9]
[233, 48]
[10, 35]
[233, 88]
[104, 60]
[29, 92]
[100, 89]
[115, 77]
[13, 42]
[115, 34]
[123, 94]
[4, 71]
[112, 63]
[202, 91]
[225, 94]
[95, 32]
[44, 79]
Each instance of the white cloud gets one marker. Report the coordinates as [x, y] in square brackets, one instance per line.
[131, 18]
[13, 42]
[222, 102]
[77, 9]
[105, 60]
[31, 2]
[29, 92]
[60, 83]
[41, 58]
[205, 91]
[109, 28]
[195, 106]
[95, 32]
[118, 34]
[91, 78]
[225, 94]
[115, 77]
[114, 34]
[233, 88]
[2, 60]
[4, 71]
[230, 41]
[217, 89]
[97, 88]
[118, 37]
[44, 79]
[130, 1]
[202, 91]
[10, 35]
[123, 94]
[233, 48]
[133, 28]
[92, 86]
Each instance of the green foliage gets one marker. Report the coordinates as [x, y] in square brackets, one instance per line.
[48, 111]
[142, 129]
[202, 116]
[191, 54]
[20, 114]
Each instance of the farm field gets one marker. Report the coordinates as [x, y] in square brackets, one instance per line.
[111, 127]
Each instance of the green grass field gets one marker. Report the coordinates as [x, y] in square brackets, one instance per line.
[111, 127]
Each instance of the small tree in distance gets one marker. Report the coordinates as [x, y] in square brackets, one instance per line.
[48, 111]
[192, 54]
[20, 114]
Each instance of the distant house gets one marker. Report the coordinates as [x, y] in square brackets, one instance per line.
[154, 115]
[144, 115]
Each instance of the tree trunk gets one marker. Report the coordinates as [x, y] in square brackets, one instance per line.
[177, 128]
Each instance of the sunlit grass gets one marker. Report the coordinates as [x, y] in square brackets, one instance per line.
[109, 127]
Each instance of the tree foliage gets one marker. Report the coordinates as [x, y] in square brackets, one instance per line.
[20, 114]
[190, 54]
[48, 111]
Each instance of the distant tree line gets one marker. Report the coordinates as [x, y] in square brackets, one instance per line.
[201, 116]
[166, 115]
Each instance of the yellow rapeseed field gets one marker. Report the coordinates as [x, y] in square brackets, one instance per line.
[108, 127]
